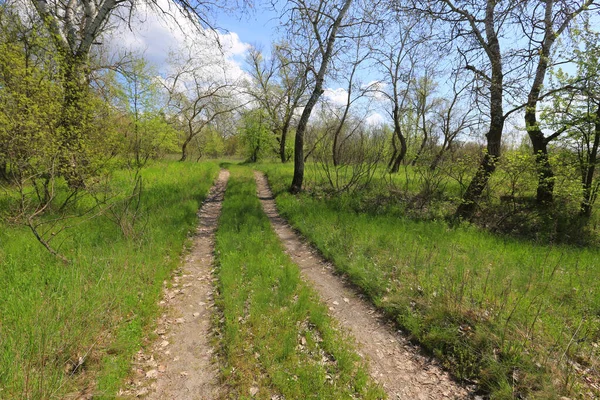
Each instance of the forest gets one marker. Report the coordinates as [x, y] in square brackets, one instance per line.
[442, 155]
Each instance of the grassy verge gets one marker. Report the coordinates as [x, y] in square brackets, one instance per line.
[276, 340]
[519, 319]
[95, 310]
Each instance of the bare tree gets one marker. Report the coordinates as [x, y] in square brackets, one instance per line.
[314, 28]
[279, 87]
[424, 103]
[454, 117]
[395, 56]
[200, 91]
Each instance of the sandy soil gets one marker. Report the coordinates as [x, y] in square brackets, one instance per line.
[402, 370]
[179, 364]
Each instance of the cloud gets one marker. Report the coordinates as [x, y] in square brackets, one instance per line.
[375, 119]
[376, 90]
[337, 97]
[160, 39]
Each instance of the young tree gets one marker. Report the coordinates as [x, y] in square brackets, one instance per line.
[148, 134]
[542, 24]
[574, 112]
[279, 87]
[314, 28]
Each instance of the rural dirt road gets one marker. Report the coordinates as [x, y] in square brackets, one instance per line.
[180, 365]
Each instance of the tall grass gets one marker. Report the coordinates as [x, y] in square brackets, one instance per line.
[64, 327]
[276, 339]
[518, 318]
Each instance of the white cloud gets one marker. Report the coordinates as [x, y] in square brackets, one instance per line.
[375, 119]
[337, 97]
[160, 38]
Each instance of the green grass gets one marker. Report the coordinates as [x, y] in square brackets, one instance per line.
[100, 306]
[275, 336]
[517, 318]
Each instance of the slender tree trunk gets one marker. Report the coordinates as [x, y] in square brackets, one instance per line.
[394, 152]
[184, 153]
[334, 149]
[401, 153]
[283, 141]
[401, 138]
[588, 175]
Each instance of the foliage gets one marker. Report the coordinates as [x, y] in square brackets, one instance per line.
[149, 135]
[256, 137]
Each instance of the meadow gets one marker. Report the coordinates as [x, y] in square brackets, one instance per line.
[518, 317]
[73, 328]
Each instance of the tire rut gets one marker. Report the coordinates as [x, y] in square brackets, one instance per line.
[179, 365]
[401, 368]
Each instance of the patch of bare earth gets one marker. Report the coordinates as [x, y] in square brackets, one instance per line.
[179, 364]
[402, 370]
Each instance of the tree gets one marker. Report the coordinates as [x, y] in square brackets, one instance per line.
[396, 58]
[453, 119]
[75, 27]
[542, 25]
[574, 112]
[255, 134]
[279, 86]
[314, 26]
[199, 91]
[30, 130]
[476, 28]
[148, 134]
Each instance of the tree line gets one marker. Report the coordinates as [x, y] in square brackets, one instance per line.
[450, 77]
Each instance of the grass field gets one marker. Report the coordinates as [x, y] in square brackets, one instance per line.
[517, 318]
[96, 309]
[275, 336]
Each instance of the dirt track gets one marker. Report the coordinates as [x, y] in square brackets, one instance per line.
[398, 366]
[179, 364]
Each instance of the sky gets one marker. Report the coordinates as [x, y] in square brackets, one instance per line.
[157, 39]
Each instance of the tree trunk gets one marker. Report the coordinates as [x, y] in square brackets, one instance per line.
[394, 153]
[588, 176]
[401, 153]
[545, 188]
[72, 122]
[184, 146]
[334, 149]
[400, 136]
[282, 142]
